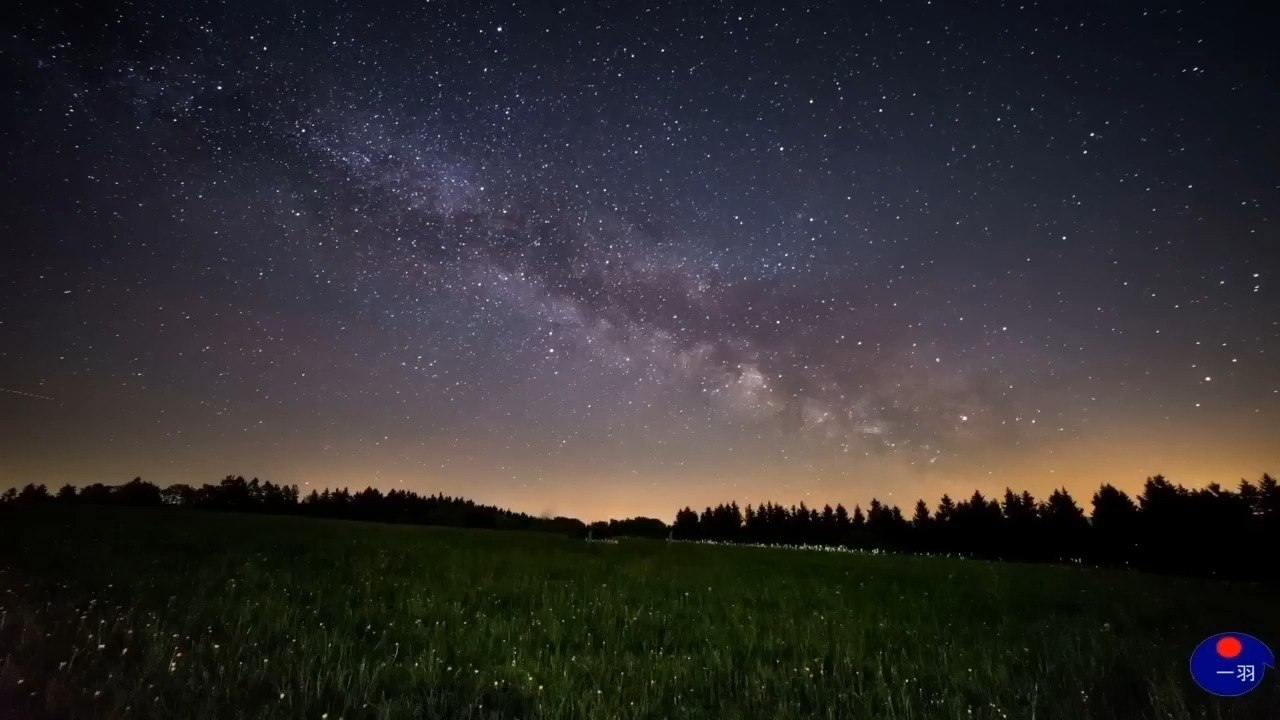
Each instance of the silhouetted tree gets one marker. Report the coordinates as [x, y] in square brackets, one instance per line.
[827, 526]
[33, 494]
[686, 525]
[946, 509]
[923, 536]
[1115, 526]
[844, 525]
[1020, 532]
[96, 493]
[179, 494]
[1064, 526]
[233, 493]
[1268, 496]
[975, 526]
[137, 492]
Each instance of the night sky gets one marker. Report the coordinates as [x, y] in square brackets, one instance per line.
[609, 259]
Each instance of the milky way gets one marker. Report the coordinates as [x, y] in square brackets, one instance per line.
[616, 258]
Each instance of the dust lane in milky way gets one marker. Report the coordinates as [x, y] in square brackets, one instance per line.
[612, 259]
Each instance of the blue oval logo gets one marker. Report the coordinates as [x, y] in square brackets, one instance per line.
[1230, 664]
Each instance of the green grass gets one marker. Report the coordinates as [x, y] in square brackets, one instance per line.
[115, 613]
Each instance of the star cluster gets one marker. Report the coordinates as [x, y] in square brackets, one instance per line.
[614, 258]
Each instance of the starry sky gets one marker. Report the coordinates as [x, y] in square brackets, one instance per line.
[612, 258]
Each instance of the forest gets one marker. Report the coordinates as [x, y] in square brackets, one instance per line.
[1168, 528]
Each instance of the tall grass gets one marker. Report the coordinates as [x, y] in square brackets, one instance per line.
[113, 613]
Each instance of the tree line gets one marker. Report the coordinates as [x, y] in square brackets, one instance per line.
[1166, 528]
[234, 493]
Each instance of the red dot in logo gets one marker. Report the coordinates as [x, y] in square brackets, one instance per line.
[1229, 647]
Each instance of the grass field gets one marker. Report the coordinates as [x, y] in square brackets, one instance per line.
[117, 613]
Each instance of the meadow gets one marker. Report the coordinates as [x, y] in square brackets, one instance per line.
[168, 613]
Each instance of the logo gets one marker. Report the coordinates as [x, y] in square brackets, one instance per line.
[1230, 664]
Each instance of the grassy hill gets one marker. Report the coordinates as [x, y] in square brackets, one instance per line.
[164, 613]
